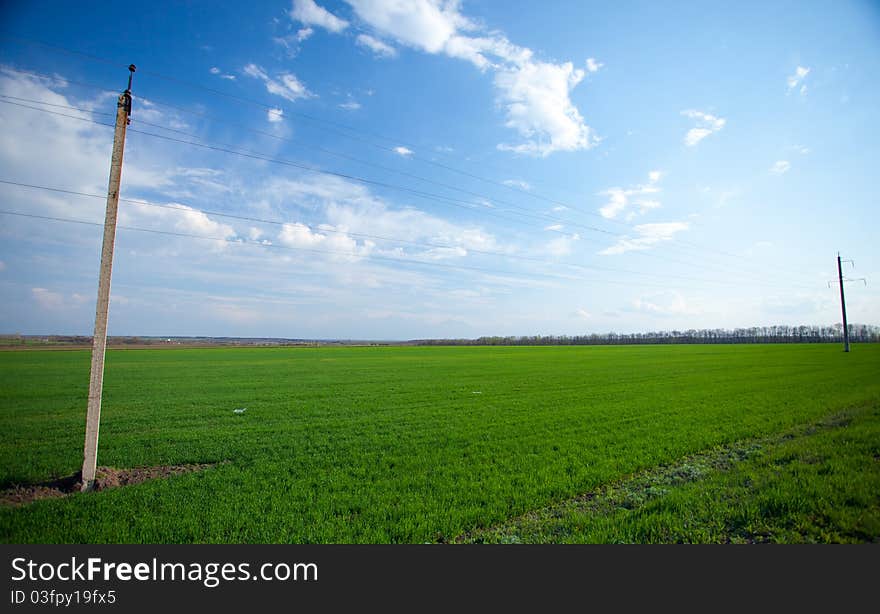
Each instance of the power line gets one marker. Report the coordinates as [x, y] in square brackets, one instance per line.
[263, 157]
[242, 241]
[271, 108]
[65, 80]
[84, 119]
[421, 194]
[57, 106]
[423, 244]
[418, 193]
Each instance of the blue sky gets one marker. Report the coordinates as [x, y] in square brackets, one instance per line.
[441, 169]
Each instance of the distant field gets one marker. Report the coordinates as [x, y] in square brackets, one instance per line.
[409, 444]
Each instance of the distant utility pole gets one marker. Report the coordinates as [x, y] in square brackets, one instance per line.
[99, 341]
[840, 281]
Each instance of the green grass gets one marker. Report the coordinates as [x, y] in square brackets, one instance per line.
[386, 445]
[818, 483]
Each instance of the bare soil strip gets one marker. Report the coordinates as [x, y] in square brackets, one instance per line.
[105, 478]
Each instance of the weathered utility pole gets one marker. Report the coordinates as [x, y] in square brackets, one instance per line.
[842, 305]
[99, 341]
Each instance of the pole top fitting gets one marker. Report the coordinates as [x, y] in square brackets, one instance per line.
[127, 92]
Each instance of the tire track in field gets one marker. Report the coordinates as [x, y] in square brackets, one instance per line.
[634, 491]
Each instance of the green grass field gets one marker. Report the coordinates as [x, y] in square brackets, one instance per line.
[405, 444]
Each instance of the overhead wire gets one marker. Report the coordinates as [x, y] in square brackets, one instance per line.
[271, 108]
[262, 157]
[418, 193]
[243, 241]
[324, 229]
[672, 242]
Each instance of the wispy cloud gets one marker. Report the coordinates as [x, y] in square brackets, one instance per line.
[403, 151]
[47, 299]
[561, 246]
[647, 236]
[219, 73]
[380, 49]
[350, 105]
[669, 303]
[780, 167]
[285, 85]
[621, 199]
[593, 65]
[517, 183]
[275, 115]
[310, 14]
[797, 79]
[706, 124]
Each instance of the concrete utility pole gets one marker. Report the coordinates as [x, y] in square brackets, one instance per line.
[842, 305]
[99, 341]
[841, 280]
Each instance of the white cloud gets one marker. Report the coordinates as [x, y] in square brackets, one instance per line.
[517, 183]
[620, 199]
[380, 49]
[583, 314]
[797, 78]
[350, 208]
[275, 115]
[668, 303]
[695, 135]
[178, 218]
[562, 246]
[780, 166]
[47, 299]
[706, 124]
[593, 65]
[22, 156]
[216, 71]
[403, 151]
[535, 95]
[536, 98]
[351, 105]
[310, 14]
[285, 85]
[303, 34]
[441, 253]
[554, 227]
[647, 237]
[424, 24]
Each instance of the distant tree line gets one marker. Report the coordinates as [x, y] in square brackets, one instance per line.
[858, 333]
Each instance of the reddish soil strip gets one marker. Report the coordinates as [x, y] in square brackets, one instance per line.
[105, 478]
